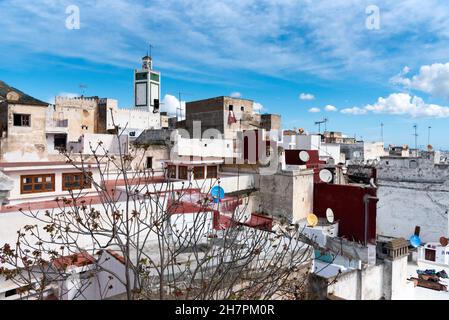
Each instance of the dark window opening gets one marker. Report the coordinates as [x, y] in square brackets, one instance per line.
[231, 108]
[60, 142]
[198, 173]
[212, 172]
[22, 120]
[430, 255]
[171, 172]
[242, 108]
[182, 172]
[149, 162]
[10, 293]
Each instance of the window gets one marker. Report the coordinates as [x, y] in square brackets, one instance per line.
[149, 162]
[76, 181]
[60, 142]
[198, 173]
[242, 108]
[37, 183]
[212, 172]
[171, 172]
[22, 120]
[430, 255]
[231, 108]
[182, 172]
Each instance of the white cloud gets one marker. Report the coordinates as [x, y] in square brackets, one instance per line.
[330, 108]
[354, 111]
[314, 110]
[432, 79]
[402, 104]
[258, 108]
[236, 95]
[405, 104]
[171, 105]
[306, 96]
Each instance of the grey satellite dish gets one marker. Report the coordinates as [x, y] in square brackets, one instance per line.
[330, 215]
[304, 156]
[326, 176]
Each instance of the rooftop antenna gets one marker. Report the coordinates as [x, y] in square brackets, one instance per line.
[180, 105]
[83, 88]
[149, 52]
[428, 136]
[319, 123]
[382, 131]
[416, 138]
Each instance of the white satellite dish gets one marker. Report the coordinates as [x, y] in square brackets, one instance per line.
[304, 156]
[326, 176]
[330, 215]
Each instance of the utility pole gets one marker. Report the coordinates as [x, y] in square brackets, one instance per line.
[416, 139]
[382, 131]
[428, 136]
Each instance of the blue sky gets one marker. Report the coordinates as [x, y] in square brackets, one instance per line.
[271, 51]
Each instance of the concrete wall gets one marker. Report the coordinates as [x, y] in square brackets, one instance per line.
[88, 143]
[159, 153]
[287, 194]
[402, 206]
[373, 150]
[23, 144]
[217, 148]
[346, 201]
[82, 114]
[15, 195]
[413, 170]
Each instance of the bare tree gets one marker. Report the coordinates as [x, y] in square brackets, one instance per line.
[173, 239]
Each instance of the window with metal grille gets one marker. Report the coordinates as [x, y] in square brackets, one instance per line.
[22, 120]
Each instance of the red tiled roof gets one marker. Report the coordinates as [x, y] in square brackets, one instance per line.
[78, 260]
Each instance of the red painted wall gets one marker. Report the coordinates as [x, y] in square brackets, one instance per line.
[346, 201]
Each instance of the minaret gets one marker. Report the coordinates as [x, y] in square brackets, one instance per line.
[147, 86]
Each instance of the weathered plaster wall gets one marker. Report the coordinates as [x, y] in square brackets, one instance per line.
[25, 143]
[287, 194]
[82, 115]
[402, 206]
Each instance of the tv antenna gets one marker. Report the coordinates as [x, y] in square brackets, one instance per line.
[416, 138]
[180, 94]
[428, 135]
[382, 131]
[319, 123]
[149, 51]
[83, 88]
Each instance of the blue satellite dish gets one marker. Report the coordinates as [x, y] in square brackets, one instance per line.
[415, 241]
[217, 193]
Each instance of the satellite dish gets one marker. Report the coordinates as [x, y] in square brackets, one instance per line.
[312, 220]
[217, 193]
[330, 215]
[415, 241]
[444, 241]
[326, 176]
[304, 156]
